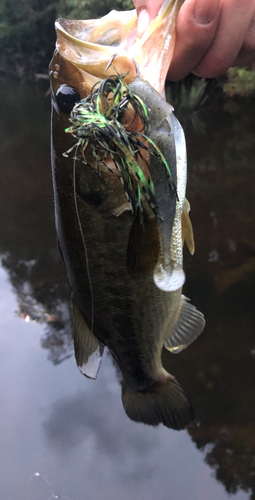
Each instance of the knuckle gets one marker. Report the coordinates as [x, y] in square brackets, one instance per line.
[212, 67]
[249, 41]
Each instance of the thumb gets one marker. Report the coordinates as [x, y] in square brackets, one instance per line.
[143, 22]
[147, 10]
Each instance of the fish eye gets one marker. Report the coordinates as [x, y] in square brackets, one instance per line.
[66, 97]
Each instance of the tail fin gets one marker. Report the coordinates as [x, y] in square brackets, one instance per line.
[165, 403]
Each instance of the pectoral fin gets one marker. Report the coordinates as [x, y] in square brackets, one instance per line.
[88, 350]
[187, 230]
[189, 325]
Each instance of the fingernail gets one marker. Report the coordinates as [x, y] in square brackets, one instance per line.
[143, 22]
[205, 12]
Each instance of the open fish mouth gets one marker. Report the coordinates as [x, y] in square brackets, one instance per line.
[89, 45]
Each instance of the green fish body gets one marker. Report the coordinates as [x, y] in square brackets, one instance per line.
[133, 315]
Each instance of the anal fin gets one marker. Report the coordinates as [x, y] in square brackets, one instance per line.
[88, 350]
[189, 325]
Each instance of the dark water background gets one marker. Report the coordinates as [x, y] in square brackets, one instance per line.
[63, 436]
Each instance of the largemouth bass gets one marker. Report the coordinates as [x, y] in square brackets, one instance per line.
[119, 206]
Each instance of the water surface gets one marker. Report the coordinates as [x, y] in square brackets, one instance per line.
[63, 435]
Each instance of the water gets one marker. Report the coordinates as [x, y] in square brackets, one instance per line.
[64, 436]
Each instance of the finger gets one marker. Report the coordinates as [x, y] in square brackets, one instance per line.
[195, 29]
[247, 53]
[151, 6]
[235, 19]
[146, 11]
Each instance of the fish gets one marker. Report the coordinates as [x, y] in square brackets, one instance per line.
[119, 177]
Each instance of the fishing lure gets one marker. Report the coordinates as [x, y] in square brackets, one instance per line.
[98, 122]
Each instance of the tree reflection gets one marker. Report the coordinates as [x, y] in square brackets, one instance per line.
[218, 370]
[28, 243]
[220, 367]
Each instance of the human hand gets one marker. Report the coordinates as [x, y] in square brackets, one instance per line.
[211, 35]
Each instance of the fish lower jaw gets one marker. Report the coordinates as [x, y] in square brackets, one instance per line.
[168, 279]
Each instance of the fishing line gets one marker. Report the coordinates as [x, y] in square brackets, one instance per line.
[38, 475]
[83, 240]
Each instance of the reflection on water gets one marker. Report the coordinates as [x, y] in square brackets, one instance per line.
[28, 242]
[68, 428]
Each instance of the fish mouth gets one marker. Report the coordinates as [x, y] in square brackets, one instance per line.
[111, 31]
[91, 44]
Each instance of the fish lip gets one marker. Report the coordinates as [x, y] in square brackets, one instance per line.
[82, 43]
[89, 56]
[66, 28]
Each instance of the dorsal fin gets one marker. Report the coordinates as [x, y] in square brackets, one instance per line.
[88, 350]
[189, 325]
[187, 230]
